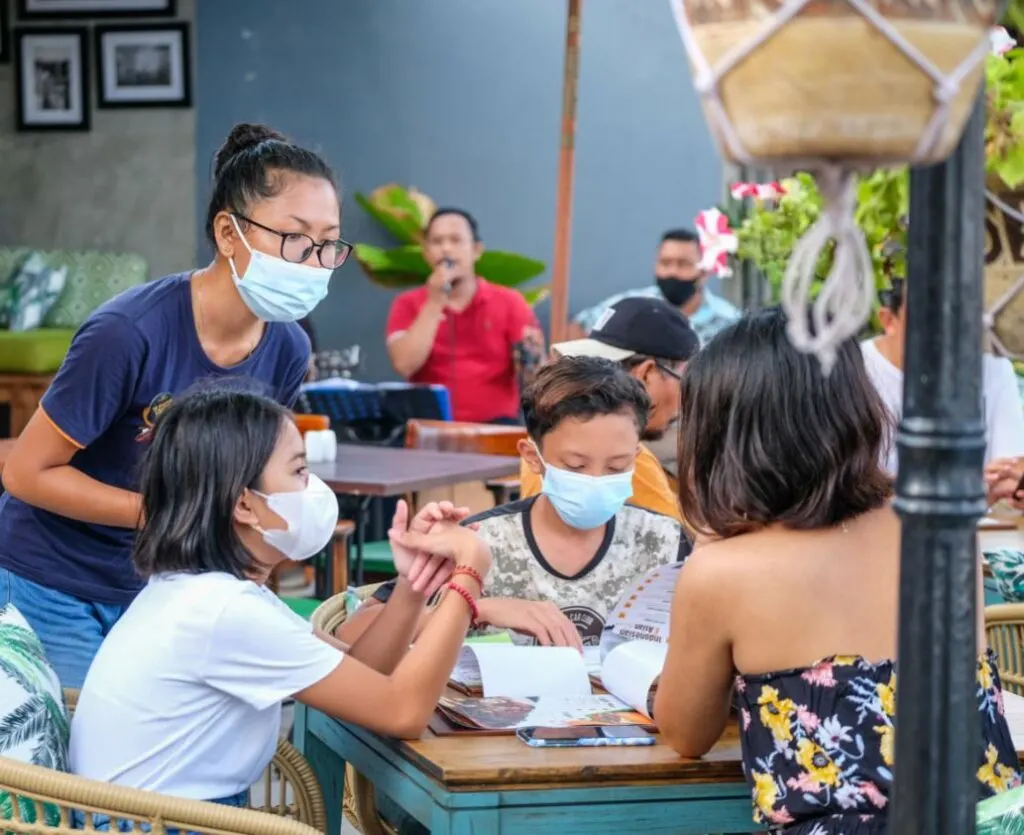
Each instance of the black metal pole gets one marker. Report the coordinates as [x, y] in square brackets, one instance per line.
[940, 496]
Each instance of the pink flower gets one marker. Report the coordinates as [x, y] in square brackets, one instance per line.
[745, 714]
[741, 684]
[874, 794]
[803, 783]
[820, 675]
[1000, 40]
[717, 242]
[759, 191]
[808, 720]
[1000, 709]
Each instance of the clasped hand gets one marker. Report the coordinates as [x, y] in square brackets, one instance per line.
[427, 549]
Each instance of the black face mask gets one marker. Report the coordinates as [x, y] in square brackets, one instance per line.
[678, 291]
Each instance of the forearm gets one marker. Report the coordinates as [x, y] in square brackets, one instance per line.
[386, 637]
[71, 493]
[427, 666]
[410, 351]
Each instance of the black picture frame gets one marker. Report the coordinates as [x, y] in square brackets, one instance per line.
[70, 9]
[28, 112]
[179, 68]
[5, 32]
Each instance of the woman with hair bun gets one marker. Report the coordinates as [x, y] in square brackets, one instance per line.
[69, 515]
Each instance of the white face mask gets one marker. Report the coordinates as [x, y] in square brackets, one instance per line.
[311, 515]
[277, 290]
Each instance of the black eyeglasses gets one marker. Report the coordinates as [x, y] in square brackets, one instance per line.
[669, 371]
[297, 247]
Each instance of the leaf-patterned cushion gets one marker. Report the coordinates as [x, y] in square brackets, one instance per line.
[92, 279]
[1007, 566]
[35, 288]
[33, 718]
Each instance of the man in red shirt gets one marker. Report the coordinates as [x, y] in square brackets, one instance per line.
[479, 340]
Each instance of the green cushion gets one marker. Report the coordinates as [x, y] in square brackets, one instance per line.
[376, 557]
[92, 279]
[33, 352]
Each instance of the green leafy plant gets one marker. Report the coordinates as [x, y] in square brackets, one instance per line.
[404, 213]
[1004, 127]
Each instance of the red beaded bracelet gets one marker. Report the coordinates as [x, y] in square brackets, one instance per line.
[465, 595]
[469, 571]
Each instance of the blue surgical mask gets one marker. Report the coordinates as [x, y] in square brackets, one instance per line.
[277, 290]
[584, 501]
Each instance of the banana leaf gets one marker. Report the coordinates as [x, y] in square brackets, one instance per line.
[1002, 814]
[393, 209]
[507, 268]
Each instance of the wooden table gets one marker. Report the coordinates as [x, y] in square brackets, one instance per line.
[495, 784]
[380, 472]
[491, 785]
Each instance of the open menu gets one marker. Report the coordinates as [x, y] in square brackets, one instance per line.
[504, 686]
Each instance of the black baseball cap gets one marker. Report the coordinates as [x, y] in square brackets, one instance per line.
[636, 325]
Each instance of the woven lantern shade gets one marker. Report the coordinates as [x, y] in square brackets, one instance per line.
[784, 83]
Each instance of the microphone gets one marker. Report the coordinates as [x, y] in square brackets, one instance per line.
[449, 264]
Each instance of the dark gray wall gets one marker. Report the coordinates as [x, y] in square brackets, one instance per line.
[462, 99]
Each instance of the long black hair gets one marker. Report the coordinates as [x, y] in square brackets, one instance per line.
[766, 438]
[246, 170]
[207, 448]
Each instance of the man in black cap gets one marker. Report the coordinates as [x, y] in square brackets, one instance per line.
[653, 341]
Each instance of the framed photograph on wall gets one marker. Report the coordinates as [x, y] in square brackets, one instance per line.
[144, 66]
[51, 69]
[37, 9]
[5, 33]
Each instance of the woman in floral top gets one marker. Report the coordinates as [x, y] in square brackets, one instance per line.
[788, 606]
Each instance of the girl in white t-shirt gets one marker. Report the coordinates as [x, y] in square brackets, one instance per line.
[184, 696]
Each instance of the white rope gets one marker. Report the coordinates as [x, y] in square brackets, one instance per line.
[1004, 207]
[847, 295]
[845, 301]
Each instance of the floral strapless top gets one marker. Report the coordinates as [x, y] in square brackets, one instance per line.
[818, 744]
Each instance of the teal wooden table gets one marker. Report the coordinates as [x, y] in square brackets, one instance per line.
[495, 785]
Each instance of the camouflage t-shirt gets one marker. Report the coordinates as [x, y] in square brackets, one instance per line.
[635, 541]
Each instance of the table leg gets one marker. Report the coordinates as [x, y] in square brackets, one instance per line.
[362, 520]
[327, 765]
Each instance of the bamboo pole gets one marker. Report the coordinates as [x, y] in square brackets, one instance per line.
[566, 163]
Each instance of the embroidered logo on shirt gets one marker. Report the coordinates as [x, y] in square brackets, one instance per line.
[157, 406]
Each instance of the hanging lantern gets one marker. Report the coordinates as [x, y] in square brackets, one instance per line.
[834, 87]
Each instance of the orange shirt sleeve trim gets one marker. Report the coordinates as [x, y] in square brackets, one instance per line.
[651, 489]
[58, 430]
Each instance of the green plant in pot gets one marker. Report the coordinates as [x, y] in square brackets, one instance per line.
[769, 226]
[404, 213]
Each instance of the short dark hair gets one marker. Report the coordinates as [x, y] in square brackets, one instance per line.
[207, 448]
[684, 236]
[893, 296]
[451, 210]
[246, 169]
[582, 388]
[767, 438]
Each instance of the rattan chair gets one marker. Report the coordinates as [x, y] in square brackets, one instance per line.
[359, 802]
[1004, 629]
[37, 788]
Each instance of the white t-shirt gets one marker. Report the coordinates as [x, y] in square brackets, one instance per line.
[1001, 402]
[184, 696]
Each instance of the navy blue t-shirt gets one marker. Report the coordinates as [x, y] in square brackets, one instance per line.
[125, 365]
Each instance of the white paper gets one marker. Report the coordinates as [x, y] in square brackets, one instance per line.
[642, 614]
[522, 672]
[631, 669]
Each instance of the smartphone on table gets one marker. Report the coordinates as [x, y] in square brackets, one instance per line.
[590, 736]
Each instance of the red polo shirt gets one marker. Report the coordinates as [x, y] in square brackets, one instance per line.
[472, 354]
